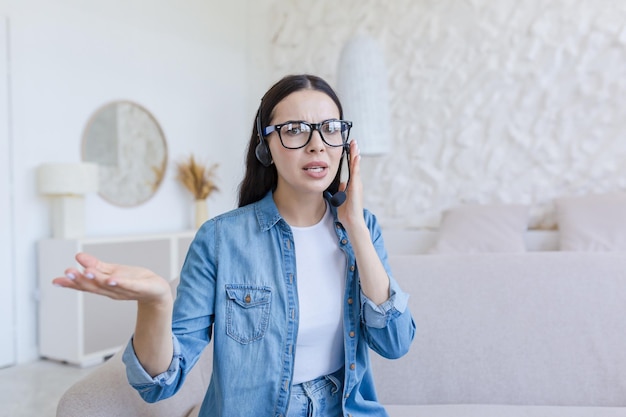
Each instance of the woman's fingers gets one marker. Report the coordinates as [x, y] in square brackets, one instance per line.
[93, 266]
[121, 289]
[82, 281]
[355, 152]
[94, 271]
[114, 281]
[351, 213]
[355, 184]
[87, 260]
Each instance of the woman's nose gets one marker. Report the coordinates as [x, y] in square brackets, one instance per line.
[316, 143]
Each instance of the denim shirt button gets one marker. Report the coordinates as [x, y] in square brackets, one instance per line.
[352, 268]
[351, 334]
[352, 366]
[350, 301]
[344, 241]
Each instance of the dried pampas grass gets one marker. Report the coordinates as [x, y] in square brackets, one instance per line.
[197, 178]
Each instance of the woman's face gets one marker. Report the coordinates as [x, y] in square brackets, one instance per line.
[312, 168]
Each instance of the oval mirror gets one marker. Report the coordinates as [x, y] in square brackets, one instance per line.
[128, 145]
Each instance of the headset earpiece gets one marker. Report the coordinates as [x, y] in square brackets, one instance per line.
[262, 151]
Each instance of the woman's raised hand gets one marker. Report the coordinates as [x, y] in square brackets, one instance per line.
[351, 212]
[119, 282]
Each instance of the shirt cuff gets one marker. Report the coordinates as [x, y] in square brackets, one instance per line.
[137, 375]
[378, 316]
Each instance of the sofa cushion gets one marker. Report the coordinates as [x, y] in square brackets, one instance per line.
[482, 228]
[592, 223]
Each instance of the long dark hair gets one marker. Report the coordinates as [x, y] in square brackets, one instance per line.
[259, 179]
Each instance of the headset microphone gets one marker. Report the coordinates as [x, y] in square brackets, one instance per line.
[339, 197]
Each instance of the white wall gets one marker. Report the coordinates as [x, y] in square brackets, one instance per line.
[7, 281]
[492, 101]
[259, 29]
[184, 61]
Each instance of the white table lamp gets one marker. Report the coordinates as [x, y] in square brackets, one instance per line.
[66, 184]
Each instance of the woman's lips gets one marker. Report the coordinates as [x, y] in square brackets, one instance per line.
[316, 170]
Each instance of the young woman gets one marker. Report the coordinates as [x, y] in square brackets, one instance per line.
[292, 290]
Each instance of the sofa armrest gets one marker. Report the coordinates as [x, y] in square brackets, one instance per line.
[106, 392]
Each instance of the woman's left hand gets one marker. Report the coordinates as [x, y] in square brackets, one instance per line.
[351, 211]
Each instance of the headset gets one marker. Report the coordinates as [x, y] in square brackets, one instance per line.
[262, 150]
[339, 197]
[264, 156]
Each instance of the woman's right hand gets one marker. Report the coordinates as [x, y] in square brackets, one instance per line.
[119, 282]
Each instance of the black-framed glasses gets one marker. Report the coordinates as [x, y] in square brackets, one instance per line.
[296, 134]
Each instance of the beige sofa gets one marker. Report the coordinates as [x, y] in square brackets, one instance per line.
[534, 335]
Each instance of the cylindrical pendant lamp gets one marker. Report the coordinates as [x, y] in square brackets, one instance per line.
[363, 91]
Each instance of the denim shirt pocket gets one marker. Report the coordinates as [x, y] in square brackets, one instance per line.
[247, 311]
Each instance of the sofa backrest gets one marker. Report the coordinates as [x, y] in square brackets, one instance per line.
[402, 241]
[544, 328]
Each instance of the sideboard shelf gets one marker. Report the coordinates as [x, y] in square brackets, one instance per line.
[82, 328]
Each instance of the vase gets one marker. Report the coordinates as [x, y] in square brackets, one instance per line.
[201, 212]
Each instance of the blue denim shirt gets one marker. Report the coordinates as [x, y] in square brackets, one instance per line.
[238, 284]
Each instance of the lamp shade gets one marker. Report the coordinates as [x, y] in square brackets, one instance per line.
[66, 185]
[362, 89]
[67, 178]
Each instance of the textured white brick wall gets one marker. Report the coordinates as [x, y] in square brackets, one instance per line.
[491, 100]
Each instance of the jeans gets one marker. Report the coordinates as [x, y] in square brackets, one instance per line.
[320, 397]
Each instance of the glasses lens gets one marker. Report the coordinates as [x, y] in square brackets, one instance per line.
[294, 134]
[335, 132]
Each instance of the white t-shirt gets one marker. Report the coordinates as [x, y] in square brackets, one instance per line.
[320, 277]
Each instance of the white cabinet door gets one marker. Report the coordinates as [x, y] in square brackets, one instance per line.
[7, 261]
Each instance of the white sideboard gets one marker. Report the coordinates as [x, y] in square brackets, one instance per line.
[82, 328]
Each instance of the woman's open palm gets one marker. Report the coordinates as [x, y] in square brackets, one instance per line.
[119, 282]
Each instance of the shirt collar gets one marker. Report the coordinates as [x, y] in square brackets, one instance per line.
[267, 213]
